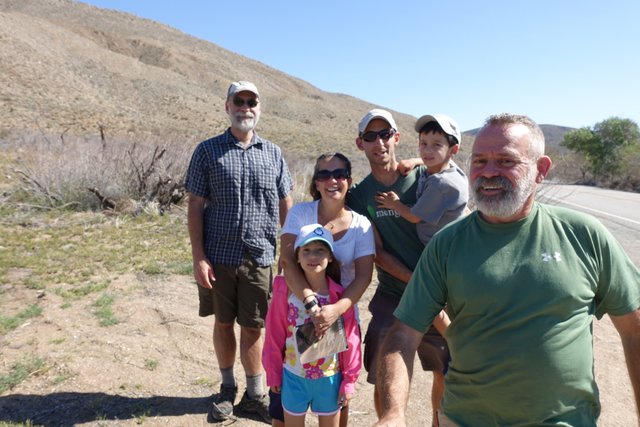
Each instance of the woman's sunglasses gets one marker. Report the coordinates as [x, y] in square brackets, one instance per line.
[239, 102]
[384, 135]
[337, 174]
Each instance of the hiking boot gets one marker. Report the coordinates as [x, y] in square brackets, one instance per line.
[222, 406]
[257, 406]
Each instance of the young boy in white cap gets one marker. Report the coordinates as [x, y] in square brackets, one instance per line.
[443, 190]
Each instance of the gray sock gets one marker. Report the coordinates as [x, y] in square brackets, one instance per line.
[228, 379]
[255, 387]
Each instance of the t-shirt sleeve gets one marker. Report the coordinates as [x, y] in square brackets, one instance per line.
[298, 216]
[618, 290]
[365, 242]
[196, 179]
[285, 183]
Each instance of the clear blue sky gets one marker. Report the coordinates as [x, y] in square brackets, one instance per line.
[563, 62]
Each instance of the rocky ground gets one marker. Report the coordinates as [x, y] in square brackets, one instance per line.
[156, 366]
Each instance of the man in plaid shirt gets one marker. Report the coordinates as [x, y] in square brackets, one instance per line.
[239, 189]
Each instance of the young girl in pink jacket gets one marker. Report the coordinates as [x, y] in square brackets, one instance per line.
[325, 384]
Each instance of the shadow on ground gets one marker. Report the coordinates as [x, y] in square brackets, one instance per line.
[68, 409]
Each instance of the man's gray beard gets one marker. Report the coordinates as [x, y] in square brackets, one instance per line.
[509, 202]
[244, 125]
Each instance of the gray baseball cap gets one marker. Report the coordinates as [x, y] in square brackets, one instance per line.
[448, 125]
[241, 86]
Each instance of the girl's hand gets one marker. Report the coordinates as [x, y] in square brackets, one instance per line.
[276, 389]
[344, 399]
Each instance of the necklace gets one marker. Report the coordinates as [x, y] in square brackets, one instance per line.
[330, 225]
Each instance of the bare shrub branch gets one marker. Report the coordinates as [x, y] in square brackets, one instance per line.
[33, 185]
[91, 173]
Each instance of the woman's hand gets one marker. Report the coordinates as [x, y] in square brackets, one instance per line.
[326, 317]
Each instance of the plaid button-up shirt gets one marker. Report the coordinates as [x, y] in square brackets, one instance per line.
[243, 187]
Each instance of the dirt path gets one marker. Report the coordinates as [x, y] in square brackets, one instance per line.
[156, 367]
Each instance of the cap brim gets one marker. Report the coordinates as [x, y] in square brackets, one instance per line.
[423, 121]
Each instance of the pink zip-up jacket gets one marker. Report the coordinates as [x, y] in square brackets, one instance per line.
[276, 334]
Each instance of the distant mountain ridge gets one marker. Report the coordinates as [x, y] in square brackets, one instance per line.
[553, 135]
[70, 68]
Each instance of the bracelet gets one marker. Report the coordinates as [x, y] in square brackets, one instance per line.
[311, 304]
[308, 296]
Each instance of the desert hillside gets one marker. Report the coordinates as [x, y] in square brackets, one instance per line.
[72, 69]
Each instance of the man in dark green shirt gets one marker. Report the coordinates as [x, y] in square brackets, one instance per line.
[398, 247]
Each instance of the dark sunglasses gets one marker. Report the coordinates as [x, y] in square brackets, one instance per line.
[384, 135]
[239, 102]
[337, 174]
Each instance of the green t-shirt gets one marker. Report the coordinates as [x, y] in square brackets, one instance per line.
[399, 236]
[522, 298]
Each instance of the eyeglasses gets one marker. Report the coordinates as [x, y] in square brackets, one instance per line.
[372, 136]
[337, 174]
[239, 102]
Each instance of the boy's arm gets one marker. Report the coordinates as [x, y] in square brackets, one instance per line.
[406, 165]
[390, 200]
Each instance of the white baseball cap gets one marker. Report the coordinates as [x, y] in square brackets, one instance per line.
[313, 232]
[448, 125]
[241, 86]
[376, 113]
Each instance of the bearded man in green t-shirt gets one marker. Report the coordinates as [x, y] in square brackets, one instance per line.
[521, 281]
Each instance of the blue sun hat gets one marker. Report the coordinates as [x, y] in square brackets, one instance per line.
[313, 232]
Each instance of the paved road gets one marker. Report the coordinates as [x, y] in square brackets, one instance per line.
[619, 211]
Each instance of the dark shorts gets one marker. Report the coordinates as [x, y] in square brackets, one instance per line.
[239, 292]
[433, 351]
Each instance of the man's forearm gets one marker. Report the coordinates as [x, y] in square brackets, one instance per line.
[283, 208]
[195, 225]
[393, 266]
[628, 327]
[632, 356]
[388, 262]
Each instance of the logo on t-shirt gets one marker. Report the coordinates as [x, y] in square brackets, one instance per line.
[375, 213]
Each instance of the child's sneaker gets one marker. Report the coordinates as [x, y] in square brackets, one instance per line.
[222, 406]
[258, 406]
